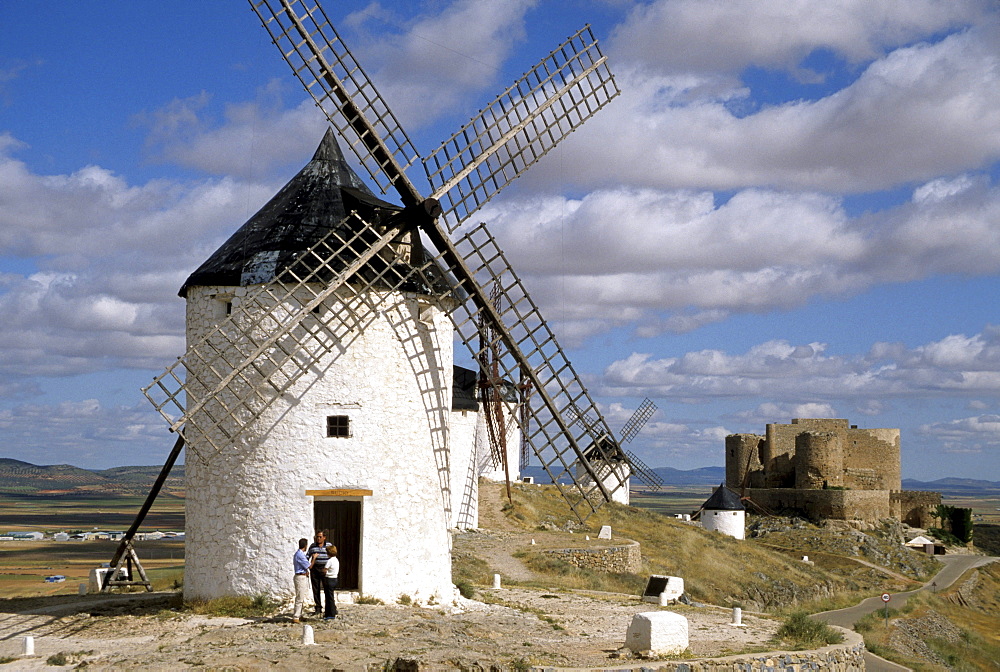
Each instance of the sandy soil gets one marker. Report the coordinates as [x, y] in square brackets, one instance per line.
[510, 627]
[554, 629]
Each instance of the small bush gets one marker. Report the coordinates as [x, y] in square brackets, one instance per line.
[57, 659]
[236, 606]
[405, 600]
[368, 599]
[801, 632]
[465, 589]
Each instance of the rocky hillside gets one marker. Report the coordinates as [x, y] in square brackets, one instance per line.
[765, 573]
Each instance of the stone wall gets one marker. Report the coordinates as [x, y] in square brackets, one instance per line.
[844, 657]
[612, 559]
[869, 505]
[914, 507]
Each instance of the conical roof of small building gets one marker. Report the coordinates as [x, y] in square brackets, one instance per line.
[313, 203]
[723, 499]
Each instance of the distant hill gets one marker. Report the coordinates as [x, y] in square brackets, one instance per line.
[954, 486]
[24, 479]
[670, 476]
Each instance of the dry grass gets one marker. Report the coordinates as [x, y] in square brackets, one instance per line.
[717, 569]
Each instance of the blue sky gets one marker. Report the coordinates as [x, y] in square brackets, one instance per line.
[792, 210]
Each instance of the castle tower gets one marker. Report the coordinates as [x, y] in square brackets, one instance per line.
[742, 458]
[359, 444]
[819, 460]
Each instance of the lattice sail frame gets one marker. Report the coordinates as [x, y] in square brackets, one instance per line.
[277, 333]
[275, 344]
[520, 126]
[327, 70]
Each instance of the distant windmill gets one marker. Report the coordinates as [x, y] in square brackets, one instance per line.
[607, 453]
[331, 304]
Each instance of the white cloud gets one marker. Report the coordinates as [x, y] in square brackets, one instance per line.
[690, 35]
[438, 59]
[110, 257]
[912, 115]
[803, 380]
[672, 261]
[976, 434]
[96, 435]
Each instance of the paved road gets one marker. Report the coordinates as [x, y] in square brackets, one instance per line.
[955, 566]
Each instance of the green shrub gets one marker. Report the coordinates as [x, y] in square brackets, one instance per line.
[465, 589]
[405, 600]
[801, 632]
[236, 606]
[368, 599]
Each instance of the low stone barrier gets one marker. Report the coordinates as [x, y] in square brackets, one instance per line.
[612, 559]
[848, 656]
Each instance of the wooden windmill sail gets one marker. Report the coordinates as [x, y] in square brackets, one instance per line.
[282, 328]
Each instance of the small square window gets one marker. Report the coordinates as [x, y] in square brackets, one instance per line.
[338, 426]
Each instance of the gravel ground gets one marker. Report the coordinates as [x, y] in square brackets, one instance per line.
[564, 629]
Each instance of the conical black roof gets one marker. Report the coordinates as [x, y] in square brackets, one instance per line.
[723, 499]
[313, 202]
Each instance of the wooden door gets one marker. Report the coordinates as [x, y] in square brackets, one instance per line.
[343, 520]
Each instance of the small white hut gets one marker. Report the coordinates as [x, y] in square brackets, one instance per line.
[724, 512]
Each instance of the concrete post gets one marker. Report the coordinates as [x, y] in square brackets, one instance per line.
[28, 648]
[496, 582]
[307, 635]
[737, 617]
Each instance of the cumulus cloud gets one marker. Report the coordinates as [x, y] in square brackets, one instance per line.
[806, 376]
[98, 436]
[673, 261]
[976, 434]
[107, 259]
[913, 114]
[251, 140]
[689, 35]
[436, 60]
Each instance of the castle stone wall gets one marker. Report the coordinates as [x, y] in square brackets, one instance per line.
[914, 507]
[867, 505]
[871, 459]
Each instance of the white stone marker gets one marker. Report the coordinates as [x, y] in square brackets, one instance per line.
[660, 632]
[805, 558]
[307, 635]
[496, 581]
[737, 617]
[605, 532]
[28, 649]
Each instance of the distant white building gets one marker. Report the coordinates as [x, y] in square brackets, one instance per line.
[724, 512]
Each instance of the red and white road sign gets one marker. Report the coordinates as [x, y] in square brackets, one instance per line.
[885, 597]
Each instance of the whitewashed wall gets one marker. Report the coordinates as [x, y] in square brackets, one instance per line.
[247, 507]
[732, 523]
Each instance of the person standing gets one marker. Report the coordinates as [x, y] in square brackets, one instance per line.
[317, 573]
[332, 572]
[300, 564]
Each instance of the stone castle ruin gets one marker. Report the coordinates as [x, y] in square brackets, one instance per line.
[827, 469]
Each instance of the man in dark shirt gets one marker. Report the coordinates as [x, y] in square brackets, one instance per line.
[317, 573]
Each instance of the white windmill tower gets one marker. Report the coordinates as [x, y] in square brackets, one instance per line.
[724, 512]
[316, 388]
[607, 457]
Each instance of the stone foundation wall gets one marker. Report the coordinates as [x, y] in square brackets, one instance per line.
[613, 559]
[914, 507]
[870, 505]
[845, 657]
